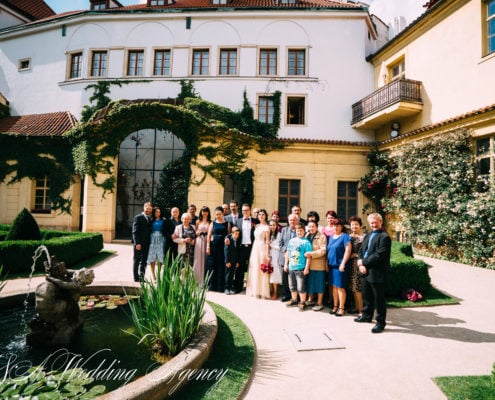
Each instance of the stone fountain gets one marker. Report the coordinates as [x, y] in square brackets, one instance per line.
[57, 320]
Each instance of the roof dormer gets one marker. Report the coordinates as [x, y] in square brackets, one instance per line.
[104, 4]
[152, 3]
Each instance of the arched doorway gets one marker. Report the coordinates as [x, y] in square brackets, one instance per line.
[142, 156]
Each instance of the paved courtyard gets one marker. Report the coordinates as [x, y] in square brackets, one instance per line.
[417, 345]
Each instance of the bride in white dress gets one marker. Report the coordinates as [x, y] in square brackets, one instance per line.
[258, 282]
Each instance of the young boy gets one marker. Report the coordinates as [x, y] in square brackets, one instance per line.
[232, 253]
[297, 265]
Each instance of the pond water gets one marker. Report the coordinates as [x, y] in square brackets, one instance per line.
[103, 349]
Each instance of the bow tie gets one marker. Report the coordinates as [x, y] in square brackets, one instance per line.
[246, 219]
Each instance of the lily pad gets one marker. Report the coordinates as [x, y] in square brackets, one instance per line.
[101, 304]
[111, 307]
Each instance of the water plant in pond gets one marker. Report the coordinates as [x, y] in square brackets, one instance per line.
[168, 313]
[39, 384]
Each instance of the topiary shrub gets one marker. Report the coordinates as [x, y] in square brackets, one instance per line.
[406, 272]
[24, 227]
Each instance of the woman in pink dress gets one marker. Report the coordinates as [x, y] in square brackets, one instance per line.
[202, 225]
[258, 282]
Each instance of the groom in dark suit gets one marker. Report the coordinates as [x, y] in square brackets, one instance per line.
[246, 225]
[373, 263]
[141, 233]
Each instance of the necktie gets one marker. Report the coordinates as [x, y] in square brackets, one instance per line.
[372, 235]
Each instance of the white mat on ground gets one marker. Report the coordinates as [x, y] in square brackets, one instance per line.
[307, 338]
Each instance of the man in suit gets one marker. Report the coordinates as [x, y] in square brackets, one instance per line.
[373, 262]
[141, 232]
[288, 232]
[234, 216]
[296, 209]
[170, 224]
[246, 226]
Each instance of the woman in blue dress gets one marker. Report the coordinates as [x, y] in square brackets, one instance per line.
[155, 254]
[217, 231]
[339, 250]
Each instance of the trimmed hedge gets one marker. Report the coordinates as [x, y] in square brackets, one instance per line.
[69, 247]
[406, 272]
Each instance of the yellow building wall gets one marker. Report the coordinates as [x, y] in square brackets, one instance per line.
[318, 166]
[20, 195]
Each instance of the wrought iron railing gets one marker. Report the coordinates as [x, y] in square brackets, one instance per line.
[391, 93]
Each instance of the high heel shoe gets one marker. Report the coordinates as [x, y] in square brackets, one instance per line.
[340, 314]
[333, 310]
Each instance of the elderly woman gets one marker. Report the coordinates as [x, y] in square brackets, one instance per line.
[185, 236]
[318, 266]
[339, 250]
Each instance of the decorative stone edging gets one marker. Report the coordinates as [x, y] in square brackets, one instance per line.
[165, 380]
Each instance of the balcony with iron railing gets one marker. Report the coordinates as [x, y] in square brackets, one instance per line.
[397, 99]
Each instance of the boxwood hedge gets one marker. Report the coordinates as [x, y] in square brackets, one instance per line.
[70, 247]
[406, 272]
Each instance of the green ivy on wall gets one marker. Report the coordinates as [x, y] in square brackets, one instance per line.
[217, 139]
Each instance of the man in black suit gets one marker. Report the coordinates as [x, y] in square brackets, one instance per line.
[246, 225]
[288, 232]
[373, 263]
[141, 232]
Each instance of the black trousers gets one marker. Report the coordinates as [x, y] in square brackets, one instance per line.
[139, 262]
[374, 297]
[243, 265]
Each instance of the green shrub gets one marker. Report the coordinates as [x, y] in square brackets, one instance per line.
[406, 272]
[24, 227]
[17, 255]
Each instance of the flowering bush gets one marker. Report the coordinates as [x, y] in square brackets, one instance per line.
[430, 186]
[378, 184]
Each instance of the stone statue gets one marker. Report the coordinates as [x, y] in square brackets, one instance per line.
[58, 320]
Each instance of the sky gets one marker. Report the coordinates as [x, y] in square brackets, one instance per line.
[386, 10]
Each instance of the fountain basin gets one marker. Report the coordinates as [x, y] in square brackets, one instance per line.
[166, 379]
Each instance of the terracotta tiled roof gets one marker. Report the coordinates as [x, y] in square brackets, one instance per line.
[33, 9]
[51, 124]
[445, 122]
[245, 4]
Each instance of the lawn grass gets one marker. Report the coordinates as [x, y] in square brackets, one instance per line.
[434, 298]
[88, 263]
[233, 350]
[467, 387]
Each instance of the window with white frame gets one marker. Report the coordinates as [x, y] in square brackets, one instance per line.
[265, 109]
[75, 65]
[485, 167]
[296, 64]
[228, 62]
[161, 62]
[99, 63]
[267, 62]
[42, 202]
[489, 14]
[135, 62]
[200, 62]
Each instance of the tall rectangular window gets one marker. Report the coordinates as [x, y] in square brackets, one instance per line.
[265, 109]
[490, 26]
[42, 203]
[485, 164]
[200, 62]
[398, 70]
[268, 62]
[99, 63]
[161, 63]
[296, 110]
[75, 70]
[228, 62]
[347, 199]
[289, 194]
[297, 62]
[135, 62]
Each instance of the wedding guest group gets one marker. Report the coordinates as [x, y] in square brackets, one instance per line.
[301, 263]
